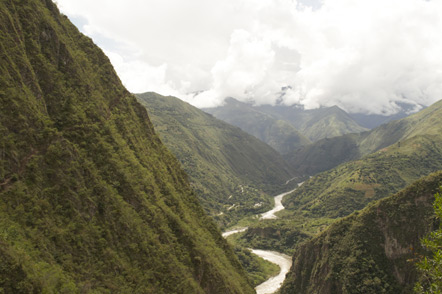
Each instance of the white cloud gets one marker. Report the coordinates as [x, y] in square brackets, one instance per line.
[361, 55]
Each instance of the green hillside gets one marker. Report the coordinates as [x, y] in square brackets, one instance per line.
[231, 170]
[369, 251]
[351, 186]
[279, 134]
[328, 153]
[90, 199]
[315, 124]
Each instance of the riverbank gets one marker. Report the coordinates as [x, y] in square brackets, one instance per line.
[283, 261]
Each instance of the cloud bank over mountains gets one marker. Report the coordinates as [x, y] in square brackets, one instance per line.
[364, 56]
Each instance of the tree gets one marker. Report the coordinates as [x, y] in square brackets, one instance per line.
[431, 267]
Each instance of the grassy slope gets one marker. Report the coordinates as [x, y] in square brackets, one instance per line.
[368, 252]
[279, 134]
[226, 165]
[90, 199]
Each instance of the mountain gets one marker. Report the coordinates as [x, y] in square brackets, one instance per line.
[279, 134]
[228, 168]
[372, 121]
[315, 124]
[352, 185]
[90, 199]
[370, 250]
[328, 153]
[416, 151]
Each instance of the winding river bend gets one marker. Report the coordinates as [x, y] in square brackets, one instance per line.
[274, 283]
[283, 261]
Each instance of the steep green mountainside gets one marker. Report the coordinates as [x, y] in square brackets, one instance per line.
[228, 168]
[328, 153]
[90, 199]
[315, 124]
[279, 134]
[369, 251]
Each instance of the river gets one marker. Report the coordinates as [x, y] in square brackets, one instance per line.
[274, 283]
[283, 261]
[278, 206]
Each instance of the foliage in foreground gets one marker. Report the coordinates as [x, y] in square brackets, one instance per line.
[431, 267]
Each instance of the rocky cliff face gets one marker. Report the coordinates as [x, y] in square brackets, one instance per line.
[90, 199]
[369, 251]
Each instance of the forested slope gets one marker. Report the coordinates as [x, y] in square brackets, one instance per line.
[90, 199]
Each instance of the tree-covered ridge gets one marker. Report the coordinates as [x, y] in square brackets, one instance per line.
[230, 170]
[370, 250]
[90, 199]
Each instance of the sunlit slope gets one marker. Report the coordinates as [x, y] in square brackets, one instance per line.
[90, 199]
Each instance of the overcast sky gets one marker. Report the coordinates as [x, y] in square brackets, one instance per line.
[362, 55]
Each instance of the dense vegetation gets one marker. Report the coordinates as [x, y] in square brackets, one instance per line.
[232, 172]
[278, 133]
[276, 235]
[90, 199]
[368, 251]
[430, 267]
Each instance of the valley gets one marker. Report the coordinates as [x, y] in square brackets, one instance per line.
[105, 191]
[342, 174]
[283, 261]
[232, 172]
